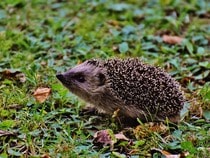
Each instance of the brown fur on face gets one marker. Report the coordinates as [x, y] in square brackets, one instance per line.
[89, 83]
[84, 80]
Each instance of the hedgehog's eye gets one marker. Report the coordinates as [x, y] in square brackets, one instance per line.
[102, 79]
[79, 78]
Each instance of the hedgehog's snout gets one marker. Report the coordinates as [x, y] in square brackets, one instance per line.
[61, 77]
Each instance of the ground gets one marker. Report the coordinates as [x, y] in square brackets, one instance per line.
[40, 38]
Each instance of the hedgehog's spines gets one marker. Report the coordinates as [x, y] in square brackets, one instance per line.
[94, 62]
[144, 86]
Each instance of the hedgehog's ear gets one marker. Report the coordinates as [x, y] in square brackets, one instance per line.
[102, 79]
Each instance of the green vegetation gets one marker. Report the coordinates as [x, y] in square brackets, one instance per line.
[39, 38]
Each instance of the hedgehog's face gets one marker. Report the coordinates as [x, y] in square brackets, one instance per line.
[84, 80]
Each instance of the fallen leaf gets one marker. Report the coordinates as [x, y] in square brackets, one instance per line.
[45, 156]
[21, 77]
[41, 94]
[164, 153]
[121, 136]
[13, 74]
[172, 39]
[105, 137]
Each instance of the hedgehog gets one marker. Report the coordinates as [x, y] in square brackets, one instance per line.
[129, 86]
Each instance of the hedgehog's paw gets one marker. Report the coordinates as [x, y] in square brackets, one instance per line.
[174, 118]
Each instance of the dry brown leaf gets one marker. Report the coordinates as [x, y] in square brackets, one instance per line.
[172, 39]
[107, 137]
[41, 94]
[45, 156]
[164, 153]
[21, 77]
[104, 137]
[121, 136]
[13, 74]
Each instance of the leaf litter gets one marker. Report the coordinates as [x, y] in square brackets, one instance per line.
[41, 94]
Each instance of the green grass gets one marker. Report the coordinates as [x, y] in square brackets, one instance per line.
[39, 38]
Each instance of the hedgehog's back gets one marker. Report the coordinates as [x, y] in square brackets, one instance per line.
[144, 87]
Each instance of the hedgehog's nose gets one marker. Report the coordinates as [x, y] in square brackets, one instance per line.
[60, 77]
